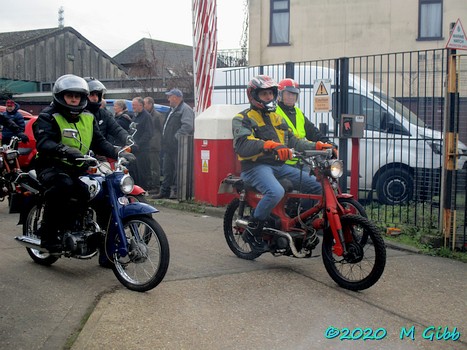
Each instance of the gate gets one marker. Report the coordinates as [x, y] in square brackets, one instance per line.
[403, 98]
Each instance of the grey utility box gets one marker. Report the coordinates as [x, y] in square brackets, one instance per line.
[352, 126]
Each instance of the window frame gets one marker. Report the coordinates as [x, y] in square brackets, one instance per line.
[420, 5]
[272, 12]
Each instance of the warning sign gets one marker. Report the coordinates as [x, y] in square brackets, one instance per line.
[205, 166]
[322, 96]
[457, 40]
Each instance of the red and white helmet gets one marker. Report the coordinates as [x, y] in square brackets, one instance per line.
[289, 85]
[258, 83]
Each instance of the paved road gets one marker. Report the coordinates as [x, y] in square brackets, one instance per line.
[212, 300]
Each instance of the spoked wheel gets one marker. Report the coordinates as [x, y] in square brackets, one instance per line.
[30, 227]
[233, 233]
[148, 259]
[363, 264]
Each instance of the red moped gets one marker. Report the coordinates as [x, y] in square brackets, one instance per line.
[353, 251]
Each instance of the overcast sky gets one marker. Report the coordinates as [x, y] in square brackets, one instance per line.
[114, 25]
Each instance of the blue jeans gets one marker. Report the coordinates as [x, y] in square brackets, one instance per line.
[265, 178]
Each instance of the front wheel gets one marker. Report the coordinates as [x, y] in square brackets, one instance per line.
[148, 256]
[30, 227]
[233, 232]
[363, 264]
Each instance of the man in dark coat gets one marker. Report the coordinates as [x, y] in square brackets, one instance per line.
[179, 121]
[143, 136]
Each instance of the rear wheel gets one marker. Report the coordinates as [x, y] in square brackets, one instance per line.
[30, 227]
[233, 232]
[148, 257]
[363, 264]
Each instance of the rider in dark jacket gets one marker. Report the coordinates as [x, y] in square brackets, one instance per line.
[11, 114]
[57, 167]
[111, 130]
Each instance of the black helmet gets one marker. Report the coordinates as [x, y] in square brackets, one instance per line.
[70, 83]
[258, 83]
[97, 86]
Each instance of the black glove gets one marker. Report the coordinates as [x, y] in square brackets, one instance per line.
[71, 153]
[24, 138]
[129, 157]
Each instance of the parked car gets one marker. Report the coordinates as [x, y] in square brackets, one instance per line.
[27, 151]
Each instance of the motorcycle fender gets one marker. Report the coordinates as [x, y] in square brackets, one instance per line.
[28, 203]
[137, 208]
[137, 190]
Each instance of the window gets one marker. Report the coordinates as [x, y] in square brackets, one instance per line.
[280, 19]
[430, 20]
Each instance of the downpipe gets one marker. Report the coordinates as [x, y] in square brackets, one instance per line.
[244, 223]
[30, 242]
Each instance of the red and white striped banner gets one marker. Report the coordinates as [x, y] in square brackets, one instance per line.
[204, 51]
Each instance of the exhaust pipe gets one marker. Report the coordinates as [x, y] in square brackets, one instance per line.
[244, 223]
[30, 242]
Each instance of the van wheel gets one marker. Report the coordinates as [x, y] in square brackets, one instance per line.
[395, 186]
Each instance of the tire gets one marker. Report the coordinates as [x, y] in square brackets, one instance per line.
[353, 206]
[364, 267]
[233, 233]
[395, 186]
[30, 226]
[148, 260]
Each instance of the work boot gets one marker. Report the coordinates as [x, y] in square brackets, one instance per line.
[49, 239]
[253, 235]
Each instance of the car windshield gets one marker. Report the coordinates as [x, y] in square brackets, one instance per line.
[406, 113]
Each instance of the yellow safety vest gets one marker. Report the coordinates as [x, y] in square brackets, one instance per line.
[298, 130]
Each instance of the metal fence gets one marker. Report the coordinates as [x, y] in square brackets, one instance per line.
[403, 98]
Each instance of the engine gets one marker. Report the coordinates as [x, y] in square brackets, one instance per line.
[81, 243]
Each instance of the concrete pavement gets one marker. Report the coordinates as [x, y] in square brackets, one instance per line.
[212, 300]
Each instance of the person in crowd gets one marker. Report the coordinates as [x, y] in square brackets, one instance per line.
[111, 130]
[56, 165]
[122, 116]
[302, 127]
[157, 119]
[179, 121]
[143, 136]
[12, 115]
[263, 142]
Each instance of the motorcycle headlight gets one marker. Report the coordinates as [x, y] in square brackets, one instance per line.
[126, 184]
[336, 168]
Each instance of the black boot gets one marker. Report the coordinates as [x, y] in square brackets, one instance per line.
[253, 235]
[49, 239]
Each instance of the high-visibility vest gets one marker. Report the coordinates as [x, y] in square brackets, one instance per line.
[298, 130]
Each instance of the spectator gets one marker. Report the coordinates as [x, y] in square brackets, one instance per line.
[121, 114]
[179, 121]
[155, 147]
[12, 114]
[142, 118]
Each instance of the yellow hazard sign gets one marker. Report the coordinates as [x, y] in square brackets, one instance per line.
[205, 166]
[322, 96]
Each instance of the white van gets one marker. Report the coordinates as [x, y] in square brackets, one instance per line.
[400, 158]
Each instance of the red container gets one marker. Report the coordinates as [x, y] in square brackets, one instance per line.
[214, 157]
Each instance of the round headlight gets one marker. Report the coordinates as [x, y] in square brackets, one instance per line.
[336, 168]
[126, 184]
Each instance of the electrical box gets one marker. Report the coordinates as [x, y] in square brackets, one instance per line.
[352, 126]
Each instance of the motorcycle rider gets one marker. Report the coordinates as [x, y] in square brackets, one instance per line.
[263, 142]
[57, 168]
[302, 127]
[14, 128]
[108, 126]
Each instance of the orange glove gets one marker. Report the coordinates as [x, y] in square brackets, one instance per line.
[283, 152]
[269, 145]
[321, 145]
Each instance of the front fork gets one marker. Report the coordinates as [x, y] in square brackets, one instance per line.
[333, 213]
